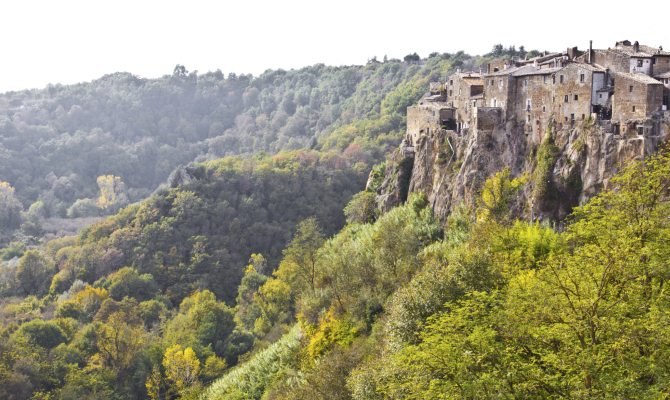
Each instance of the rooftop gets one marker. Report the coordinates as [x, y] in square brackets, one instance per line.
[663, 75]
[642, 78]
[544, 71]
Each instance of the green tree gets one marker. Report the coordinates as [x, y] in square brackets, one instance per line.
[34, 273]
[299, 265]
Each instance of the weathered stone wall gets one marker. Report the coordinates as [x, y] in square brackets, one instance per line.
[424, 120]
[576, 108]
[614, 61]
[487, 118]
[629, 93]
[662, 65]
[499, 91]
[532, 90]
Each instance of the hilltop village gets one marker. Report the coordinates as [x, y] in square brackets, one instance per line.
[620, 88]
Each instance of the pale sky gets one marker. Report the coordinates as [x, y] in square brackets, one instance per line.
[69, 41]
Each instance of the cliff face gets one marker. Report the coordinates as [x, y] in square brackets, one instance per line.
[580, 162]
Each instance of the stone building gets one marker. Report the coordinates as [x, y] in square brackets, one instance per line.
[633, 58]
[636, 96]
[664, 78]
[427, 118]
[462, 88]
[625, 84]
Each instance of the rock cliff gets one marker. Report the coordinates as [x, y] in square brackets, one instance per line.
[564, 169]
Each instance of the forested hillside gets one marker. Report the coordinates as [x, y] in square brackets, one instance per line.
[63, 147]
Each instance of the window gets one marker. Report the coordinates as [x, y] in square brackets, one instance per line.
[460, 91]
[494, 102]
[527, 118]
[450, 92]
[451, 82]
[639, 63]
[544, 108]
[654, 61]
[502, 104]
[640, 130]
[525, 82]
[474, 103]
[572, 117]
[544, 79]
[562, 78]
[630, 89]
[528, 105]
[633, 108]
[583, 116]
[581, 77]
[553, 79]
[612, 82]
[427, 118]
[566, 99]
[576, 97]
[500, 84]
[566, 119]
[600, 96]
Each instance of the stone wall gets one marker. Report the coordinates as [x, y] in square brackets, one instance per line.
[615, 61]
[425, 120]
[640, 65]
[662, 65]
[629, 93]
[578, 92]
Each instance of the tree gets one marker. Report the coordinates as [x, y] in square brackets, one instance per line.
[10, 208]
[181, 370]
[34, 273]
[112, 192]
[119, 342]
[301, 256]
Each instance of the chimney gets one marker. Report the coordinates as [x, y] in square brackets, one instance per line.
[636, 46]
[590, 51]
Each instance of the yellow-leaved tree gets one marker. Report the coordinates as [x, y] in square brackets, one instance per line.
[112, 191]
[182, 368]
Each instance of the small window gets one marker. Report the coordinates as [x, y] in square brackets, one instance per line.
[640, 130]
[654, 61]
[500, 83]
[553, 79]
[427, 118]
[630, 89]
[600, 96]
[460, 91]
[525, 82]
[562, 78]
[583, 116]
[565, 100]
[566, 119]
[576, 97]
[612, 82]
[494, 102]
[474, 103]
[639, 63]
[502, 104]
[451, 82]
[572, 117]
[544, 79]
[527, 118]
[581, 77]
[451, 92]
[544, 108]
[633, 108]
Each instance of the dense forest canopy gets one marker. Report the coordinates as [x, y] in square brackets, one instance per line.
[258, 269]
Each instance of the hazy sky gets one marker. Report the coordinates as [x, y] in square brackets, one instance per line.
[67, 41]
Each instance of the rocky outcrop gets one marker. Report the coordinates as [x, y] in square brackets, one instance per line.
[451, 168]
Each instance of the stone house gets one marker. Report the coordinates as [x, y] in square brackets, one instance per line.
[633, 58]
[636, 96]
[462, 87]
[664, 78]
[427, 118]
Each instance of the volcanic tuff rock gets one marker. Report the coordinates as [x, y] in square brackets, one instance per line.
[451, 168]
